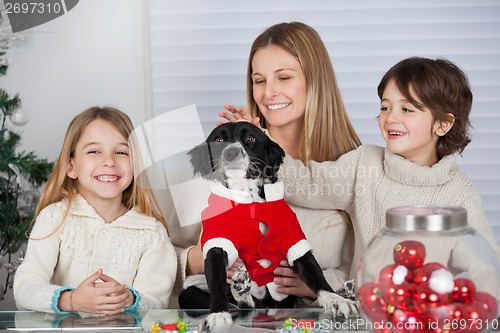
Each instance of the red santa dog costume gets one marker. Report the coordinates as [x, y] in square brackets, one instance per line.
[260, 233]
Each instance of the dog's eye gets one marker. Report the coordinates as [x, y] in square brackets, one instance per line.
[218, 139]
[250, 139]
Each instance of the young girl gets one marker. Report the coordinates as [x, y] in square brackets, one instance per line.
[424, 119]
[99, 243]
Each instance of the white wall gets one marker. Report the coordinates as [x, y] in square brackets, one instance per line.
[92, 55]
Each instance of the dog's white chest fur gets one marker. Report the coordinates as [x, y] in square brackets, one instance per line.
[235, 169]
[251, 186]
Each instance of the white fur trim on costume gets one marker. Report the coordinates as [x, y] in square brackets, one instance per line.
[264, 262]
[298, 250]
[226, 245]
[234, 195]
[258, 292]
[273, 290]
[274, 191]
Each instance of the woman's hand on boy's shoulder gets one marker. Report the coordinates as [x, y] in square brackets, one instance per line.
[236, 114]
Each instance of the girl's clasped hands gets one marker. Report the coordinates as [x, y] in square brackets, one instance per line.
[99, 293]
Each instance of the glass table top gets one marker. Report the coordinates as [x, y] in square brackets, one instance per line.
[254, 320]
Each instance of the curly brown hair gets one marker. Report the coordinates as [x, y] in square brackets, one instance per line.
[443, 88]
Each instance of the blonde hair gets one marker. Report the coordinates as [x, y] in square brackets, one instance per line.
[60, 186]
[328, 132]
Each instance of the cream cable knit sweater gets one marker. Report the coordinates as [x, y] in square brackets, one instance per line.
[134, 249]
[369, 180]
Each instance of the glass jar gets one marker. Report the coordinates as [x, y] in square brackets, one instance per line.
[427, 270]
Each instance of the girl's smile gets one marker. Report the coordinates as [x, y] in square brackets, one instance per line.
[101, 163]
[107, 178]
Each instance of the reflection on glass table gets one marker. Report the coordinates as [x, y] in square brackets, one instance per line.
[255, 320]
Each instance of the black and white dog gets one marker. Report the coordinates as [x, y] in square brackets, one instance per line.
[247, 218]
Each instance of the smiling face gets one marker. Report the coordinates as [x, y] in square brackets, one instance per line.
[279, 87]
[408, 131]
[101, 163]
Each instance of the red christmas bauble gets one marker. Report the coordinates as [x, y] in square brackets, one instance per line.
[421, 275]
[488, 302]
[406, 321]
[369, 290]
[371, 302]
[410, 254]
[427, 298]
[440, 319]
[471, 317]
[385, 275]
[464, 290]
[394, 273]
[400, 295]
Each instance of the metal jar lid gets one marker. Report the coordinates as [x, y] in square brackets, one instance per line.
[426, 218]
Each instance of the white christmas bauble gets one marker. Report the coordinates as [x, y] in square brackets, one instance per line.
[399, 275]
[19, 117]
[441, 281]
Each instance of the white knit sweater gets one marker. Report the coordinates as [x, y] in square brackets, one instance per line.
[369, 180]
[134, 249]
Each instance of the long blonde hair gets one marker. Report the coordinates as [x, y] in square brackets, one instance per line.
[328, 132]
[60, 186]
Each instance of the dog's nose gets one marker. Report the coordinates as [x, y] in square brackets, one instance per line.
[231, 153]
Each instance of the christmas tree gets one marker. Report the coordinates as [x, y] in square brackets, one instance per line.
[21, 175]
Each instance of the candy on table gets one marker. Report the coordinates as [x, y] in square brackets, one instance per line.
[295, 326]
[180, 326]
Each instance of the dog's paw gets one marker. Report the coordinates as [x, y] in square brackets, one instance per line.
[336, 304]
[215, 320]
[240, 288]
[241, 281]
[347, 290]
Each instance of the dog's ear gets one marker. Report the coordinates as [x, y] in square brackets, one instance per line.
[200, 160]
[275, 157]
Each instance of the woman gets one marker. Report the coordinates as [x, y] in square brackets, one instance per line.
[292, 89]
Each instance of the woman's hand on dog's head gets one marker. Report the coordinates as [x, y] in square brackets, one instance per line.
[236, 114]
